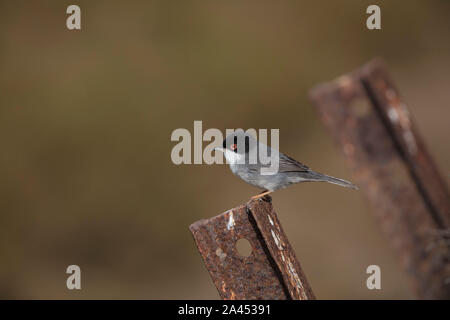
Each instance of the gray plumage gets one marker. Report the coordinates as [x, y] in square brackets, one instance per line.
[239, 145]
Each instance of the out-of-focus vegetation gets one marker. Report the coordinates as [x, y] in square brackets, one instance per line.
[86, 118]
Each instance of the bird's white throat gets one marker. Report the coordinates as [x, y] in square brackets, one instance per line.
[232, 157]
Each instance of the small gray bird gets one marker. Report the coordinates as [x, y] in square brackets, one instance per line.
[242, 151]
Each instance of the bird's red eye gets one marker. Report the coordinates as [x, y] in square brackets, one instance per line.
[233, 147]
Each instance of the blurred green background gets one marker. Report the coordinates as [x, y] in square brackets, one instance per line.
[86, 118]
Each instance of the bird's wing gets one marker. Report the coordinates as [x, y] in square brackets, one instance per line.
[287, 164]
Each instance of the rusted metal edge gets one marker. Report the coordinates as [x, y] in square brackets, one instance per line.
[272, 270]
[280, 250]
[398, 121]
[365, 116]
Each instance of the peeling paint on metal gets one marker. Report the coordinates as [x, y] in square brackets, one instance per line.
[270, 219]
[393, 115]
[410, 142]
[219, 252]
[277, 240]
[296, 278]
[230, 224]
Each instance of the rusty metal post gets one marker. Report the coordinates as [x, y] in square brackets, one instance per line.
[270, 272]
[372, 125]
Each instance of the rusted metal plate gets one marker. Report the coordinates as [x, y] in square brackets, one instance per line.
[397, 119]
[372, 126]
[263, 274]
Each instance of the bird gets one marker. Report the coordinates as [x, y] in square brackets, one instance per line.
[239, 147]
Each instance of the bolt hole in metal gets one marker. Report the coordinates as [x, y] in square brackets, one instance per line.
[243, 247]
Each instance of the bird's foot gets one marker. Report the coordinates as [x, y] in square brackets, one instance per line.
[261, 195]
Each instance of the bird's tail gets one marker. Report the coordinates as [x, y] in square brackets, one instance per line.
[316, 176]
